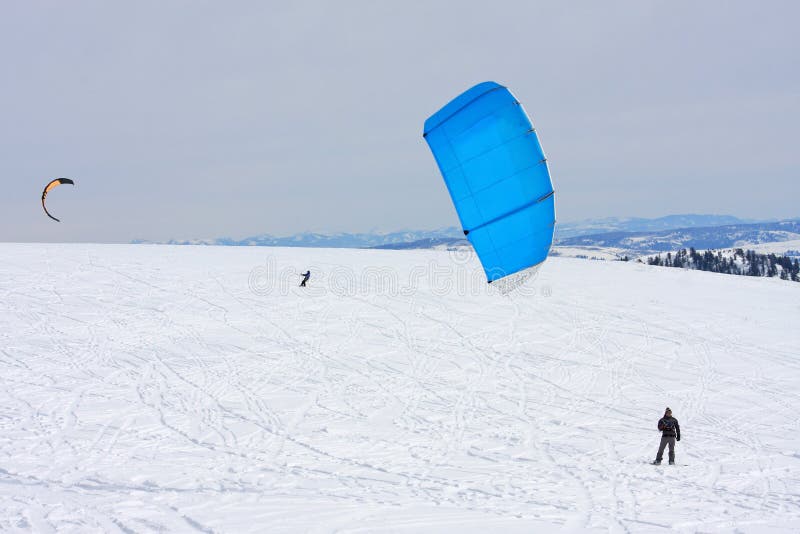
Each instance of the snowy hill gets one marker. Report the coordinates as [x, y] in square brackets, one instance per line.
[783, 248]
[731, 261]
[160, 388]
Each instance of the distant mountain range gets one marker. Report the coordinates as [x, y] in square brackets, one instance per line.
[638, 224]
[595, 230]
[636, 236]
[702, 238]
[315, 240]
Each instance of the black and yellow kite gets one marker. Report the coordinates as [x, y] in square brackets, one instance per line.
[48, 187]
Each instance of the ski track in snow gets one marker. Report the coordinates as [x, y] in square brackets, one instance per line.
[149, 389]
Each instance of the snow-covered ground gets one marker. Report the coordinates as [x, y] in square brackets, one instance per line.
[158, 388]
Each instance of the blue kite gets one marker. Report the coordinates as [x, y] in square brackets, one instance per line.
[497, 175]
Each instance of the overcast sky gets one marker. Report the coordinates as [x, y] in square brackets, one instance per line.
[185, 119]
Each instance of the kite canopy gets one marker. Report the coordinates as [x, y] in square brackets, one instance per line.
[497, 176]
[49, 187]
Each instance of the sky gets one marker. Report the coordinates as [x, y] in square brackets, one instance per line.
[191, 119]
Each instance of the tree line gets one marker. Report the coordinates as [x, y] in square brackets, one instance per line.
[744, 263]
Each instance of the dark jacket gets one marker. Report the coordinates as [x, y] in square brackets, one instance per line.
[669, 427]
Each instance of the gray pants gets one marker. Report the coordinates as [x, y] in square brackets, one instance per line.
[666, 440]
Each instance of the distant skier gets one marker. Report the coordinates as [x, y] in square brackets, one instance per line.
[670, 432]
[306, 275]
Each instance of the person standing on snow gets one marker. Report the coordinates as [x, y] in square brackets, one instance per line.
[670, 432]
[306, 275]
